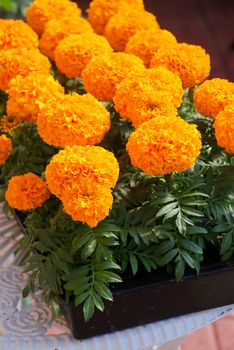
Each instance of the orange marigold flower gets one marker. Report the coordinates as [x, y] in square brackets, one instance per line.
[139, 102]
[29, 95]
[84, 167]
[213, 96]
[16, 33]
[100, 11]
[41, 11]
[74, 52]
[8, 123]
[25, 192]
[224, 129]
[58, 29]
[21, 61]
[164, 145]
[74, 120]
[190, 62]
[103, 73]
[122, 26]
[89, 207]
[146, 42]
[5, 148]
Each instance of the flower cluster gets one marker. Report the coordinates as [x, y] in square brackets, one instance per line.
[82, 177]
[58, 29]
[5, 148]
[73, 120]
[100, 12]
[21, 61]
[213, 96]
[42, 11]
[102, 74]
[26, 192]
[16, 33]
[29, 95]
[74, 52]
[164, 145]
[190, 62]
[145, 43]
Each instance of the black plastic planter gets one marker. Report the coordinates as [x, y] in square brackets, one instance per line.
[154, 298]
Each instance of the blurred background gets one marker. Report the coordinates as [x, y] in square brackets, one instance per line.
[209, 23]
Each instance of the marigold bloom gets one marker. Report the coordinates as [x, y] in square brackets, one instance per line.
[100, 11]
[103, 73]
[224, 129]
[146, 42]
[164, 145]
[84, 167]
[16, 33]
[26, 192]
[190, 62]
[29, 95]
[122, 26]
[41, 11]
[5, 148]
[74, 120]
[21, 61]
[139, 102]
[74, 52]
[58, 29]
[89, 207]
[213, 96]
[8, 123]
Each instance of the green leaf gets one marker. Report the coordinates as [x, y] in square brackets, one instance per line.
[165, 259]
[164, 247]
[226, 243]
[134, 263]
[26, 291]
[167, 208]
[103, 290]
[193, 247]
[179, 270]
[88, 308]
[98, 301]
[79, 299]
[188, 258]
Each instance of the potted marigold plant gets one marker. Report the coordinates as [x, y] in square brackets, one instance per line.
[117, 155]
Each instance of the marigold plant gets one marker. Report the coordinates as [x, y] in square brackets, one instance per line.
[224, 129]
[16, 33]
[89, 207]
[212, 96]
[85, 166]
[26, 192]
[58, 29]
[5, 148]
[100, 11]
[139, 101]
[73, 120]
[122, 26]
[41, 11]
[21, 61]
[29, 95]
[103, 73]
[164, 145]
[146, 42]
[190, 62]
[74, 52]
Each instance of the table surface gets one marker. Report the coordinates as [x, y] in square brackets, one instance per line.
[27, 324]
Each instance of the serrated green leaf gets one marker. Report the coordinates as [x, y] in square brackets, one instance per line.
[188, 258]
[164, 247]
[98, 301]
[226, 243]
[79, 299]
[165, 259]
[179, 270]
[133, 263]
[103, 290]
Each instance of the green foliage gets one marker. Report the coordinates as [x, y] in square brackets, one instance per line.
[14, 7]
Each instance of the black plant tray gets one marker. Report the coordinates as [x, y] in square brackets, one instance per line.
[153, 298]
